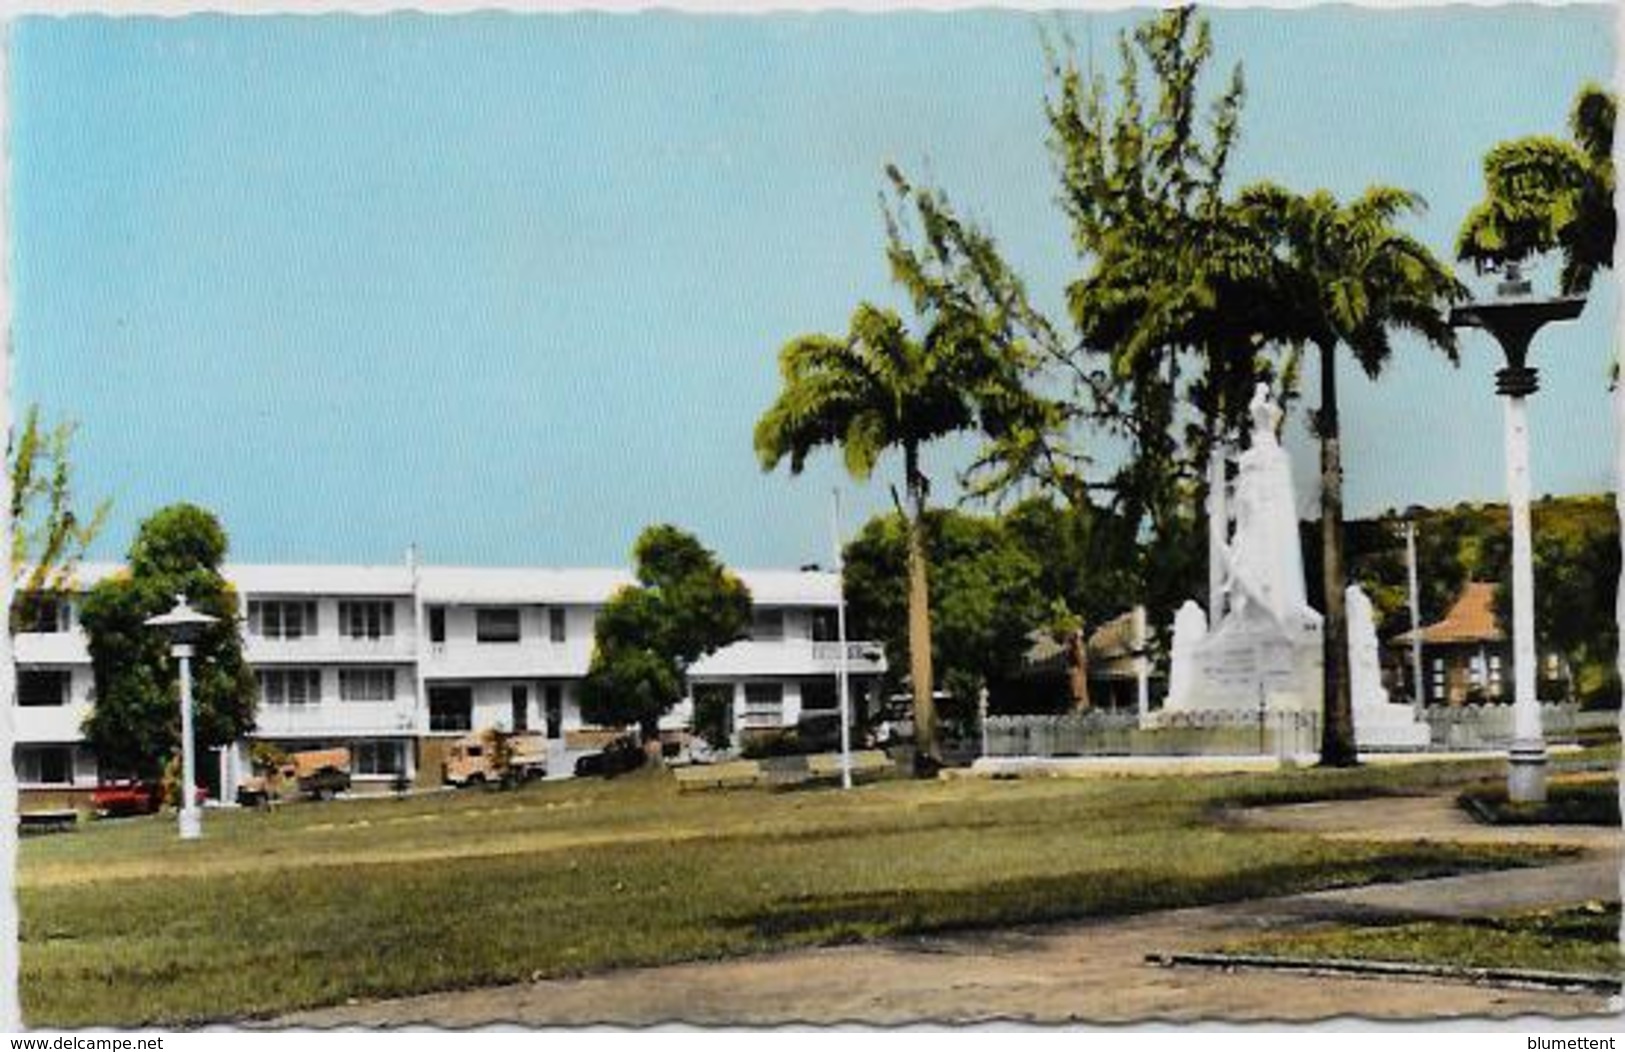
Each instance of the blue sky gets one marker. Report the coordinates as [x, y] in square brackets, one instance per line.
[512, 287]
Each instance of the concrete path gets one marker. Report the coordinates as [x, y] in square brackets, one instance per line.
[1419, 818]
[1085, 972]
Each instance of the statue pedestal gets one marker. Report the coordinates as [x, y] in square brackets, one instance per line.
[1252, 662]
[1389, 726]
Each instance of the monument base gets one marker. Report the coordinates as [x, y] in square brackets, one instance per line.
[1389, 727]
[1254, 662]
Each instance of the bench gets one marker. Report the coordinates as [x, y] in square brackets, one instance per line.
[63, 821]
[736, 774]
[865, 763]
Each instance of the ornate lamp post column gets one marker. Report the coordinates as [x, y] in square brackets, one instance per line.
[1513, 318]
[843, 676]
[184, 626]
[1418, 688]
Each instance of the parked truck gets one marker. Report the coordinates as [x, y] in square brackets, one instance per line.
[317, 773]
[476, 758]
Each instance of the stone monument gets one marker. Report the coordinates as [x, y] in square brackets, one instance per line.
[1264, 651]
[1378, 722]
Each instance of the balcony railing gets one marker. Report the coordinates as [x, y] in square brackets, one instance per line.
[337, 718]
[861, 654]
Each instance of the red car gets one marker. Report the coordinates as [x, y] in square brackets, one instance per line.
[128, 796]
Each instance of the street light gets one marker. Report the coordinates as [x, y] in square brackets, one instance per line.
[1418, 691]
[185, 626]
[1513, 317]
[840, 635]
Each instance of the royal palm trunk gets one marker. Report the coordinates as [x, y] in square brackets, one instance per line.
[1337, 725]
[927, 745]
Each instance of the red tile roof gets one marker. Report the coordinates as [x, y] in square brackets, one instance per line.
[1471, 620]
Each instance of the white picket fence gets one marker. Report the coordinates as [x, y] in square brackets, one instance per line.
[1196, 733]
[1468, 727]
[1226, 732]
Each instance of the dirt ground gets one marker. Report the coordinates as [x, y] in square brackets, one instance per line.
[1093, 972]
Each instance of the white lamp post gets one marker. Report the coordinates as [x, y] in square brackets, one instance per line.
[840, 635]
[1513, 318]
[1418, 690]
[184, 626]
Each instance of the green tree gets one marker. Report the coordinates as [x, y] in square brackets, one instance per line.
[1171, 316]
[1348, 277]
[685, 605]
[135, 724]
[48, 535]
[985, 597]
[881, 388]
[1544, 194]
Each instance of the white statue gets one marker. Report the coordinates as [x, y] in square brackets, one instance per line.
[1378, 722]
[1190, 628]
[1264, 563]
[1365, 667]
[1265, 649]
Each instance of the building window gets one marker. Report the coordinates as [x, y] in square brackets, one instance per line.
[451, 710]
[825, 628]
[1495, 673]
[555, 624]
[45, 765]
[764, 704]
[38, 612]
[366, 684]
[521, 709]
[437, 624]
[1438, 678]
[367, 619]
[39, 688]
[291, 686]
[553, 702]
[497, 625]
[819, 695]
[281, 619]
[767, 626]
[378, 757]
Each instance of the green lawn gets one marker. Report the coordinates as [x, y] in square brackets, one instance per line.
[1583, 941]
[123, 924]
[1594, 801]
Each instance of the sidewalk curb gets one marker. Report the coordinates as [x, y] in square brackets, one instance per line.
[1604, 984]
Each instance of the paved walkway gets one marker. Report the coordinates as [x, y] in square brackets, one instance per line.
[1086, 972]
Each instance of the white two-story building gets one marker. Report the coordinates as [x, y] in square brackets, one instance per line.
[394, 662]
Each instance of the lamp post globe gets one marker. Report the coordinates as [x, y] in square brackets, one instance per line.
[185, 626]
[1513, 317]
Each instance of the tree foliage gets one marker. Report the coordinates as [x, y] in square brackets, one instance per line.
[135, 724]
[986, 595]
[883, 387]
[1170, 320]
[49, 536]
[685, 605]
[1576, 562]
[1348, 277]
[1544, 194]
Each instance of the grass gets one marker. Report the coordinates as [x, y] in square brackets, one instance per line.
[1591, 801]
[316, 904]
[1582, 940]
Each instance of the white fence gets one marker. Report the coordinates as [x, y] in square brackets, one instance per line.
[1223, 732]
[1490, 726]
[1196, 733]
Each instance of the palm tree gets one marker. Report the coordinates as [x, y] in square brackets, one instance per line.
[1348, 277]
[1544, 194]
[877, 389]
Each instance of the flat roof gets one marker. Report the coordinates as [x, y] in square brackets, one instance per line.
[482, 584]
